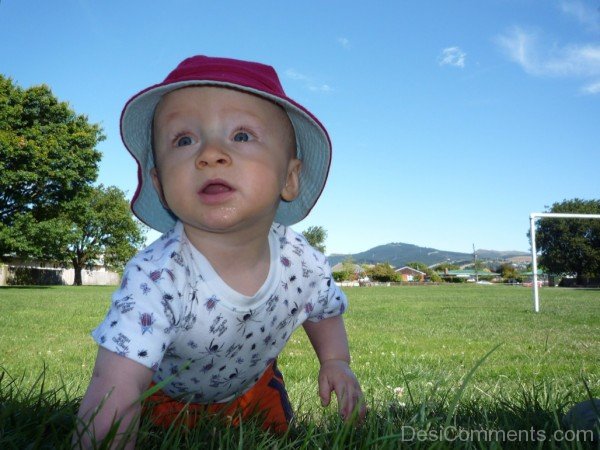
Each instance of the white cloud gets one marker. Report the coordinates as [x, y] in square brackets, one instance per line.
[585, 14]
[344, 42]
[309, 82]
[524, 48]
[518, 46]
[294, 75]
[452, 56]
[591, 89]
[320, 88]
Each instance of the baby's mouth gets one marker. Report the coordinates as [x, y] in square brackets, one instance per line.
[215, 191]
[216, 188]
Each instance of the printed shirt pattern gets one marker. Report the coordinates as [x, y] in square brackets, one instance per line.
[174, 314]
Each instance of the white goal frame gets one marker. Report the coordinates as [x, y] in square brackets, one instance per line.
[532, 218]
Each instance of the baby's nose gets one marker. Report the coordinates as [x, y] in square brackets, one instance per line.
[212, 154]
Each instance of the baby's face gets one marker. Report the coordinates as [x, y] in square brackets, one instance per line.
[224, 158]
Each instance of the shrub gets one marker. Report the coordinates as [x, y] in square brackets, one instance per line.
[342, 276]
[24, 276]
[383, 272]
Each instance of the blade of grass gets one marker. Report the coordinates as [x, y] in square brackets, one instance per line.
[457, 397]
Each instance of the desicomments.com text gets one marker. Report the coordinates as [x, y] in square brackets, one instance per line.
[451, 434]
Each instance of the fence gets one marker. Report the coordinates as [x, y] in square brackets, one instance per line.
[21, 275]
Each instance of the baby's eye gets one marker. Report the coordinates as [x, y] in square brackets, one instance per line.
[241, 136]
[184, 141]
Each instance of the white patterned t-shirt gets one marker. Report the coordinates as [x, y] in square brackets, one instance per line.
[175, 315]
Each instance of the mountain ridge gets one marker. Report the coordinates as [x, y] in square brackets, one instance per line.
[400, 253]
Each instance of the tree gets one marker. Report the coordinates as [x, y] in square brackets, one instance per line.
[446, 266]
[316, 237]
[349, 267]
[340, 276]
[383, 272]
[101, 229]
[509, 272]
[570, 246]
[47, 157]
[347, 271]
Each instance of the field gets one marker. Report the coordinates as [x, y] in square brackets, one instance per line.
[451, 366]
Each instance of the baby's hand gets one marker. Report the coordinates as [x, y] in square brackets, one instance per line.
[336, 375]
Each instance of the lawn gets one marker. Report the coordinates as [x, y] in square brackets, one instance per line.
[419, 352]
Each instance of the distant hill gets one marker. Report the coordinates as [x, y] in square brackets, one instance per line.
[399, 254]
[496, 255]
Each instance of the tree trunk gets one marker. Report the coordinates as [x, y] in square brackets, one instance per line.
[78, 268]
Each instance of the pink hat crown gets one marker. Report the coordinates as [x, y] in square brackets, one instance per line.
[250, 74]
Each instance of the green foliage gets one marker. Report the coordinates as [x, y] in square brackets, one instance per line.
[47, 157]
[418, 266]
[35, 417]
[570, 246]
[48, 207]
[100, 225]
[446, 266]
[347, 272]
[509, 272]
[382, 272]
[341, 276]
[455, 280]
[316, 237]
[434, 277]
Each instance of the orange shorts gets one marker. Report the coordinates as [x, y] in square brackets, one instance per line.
[267, 399]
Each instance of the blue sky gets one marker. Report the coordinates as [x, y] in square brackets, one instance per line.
[450, 121]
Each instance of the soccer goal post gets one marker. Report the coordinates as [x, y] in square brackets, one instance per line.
[532, 218]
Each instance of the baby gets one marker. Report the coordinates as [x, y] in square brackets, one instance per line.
[226, 163]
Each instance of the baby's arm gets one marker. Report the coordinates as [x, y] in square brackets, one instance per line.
[328, 337]
[125, 380]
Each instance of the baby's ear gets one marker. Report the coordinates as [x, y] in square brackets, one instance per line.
[158, 186]
[292, 182]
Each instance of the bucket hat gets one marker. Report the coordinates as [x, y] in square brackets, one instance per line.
[313, 145]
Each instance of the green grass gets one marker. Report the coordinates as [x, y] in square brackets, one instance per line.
[431, 341]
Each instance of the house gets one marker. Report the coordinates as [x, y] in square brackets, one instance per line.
[410, 274]
[470, 275]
